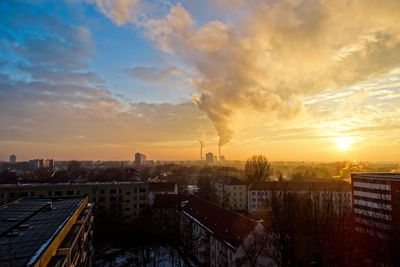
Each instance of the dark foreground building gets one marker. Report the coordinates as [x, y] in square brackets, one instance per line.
[41, 232]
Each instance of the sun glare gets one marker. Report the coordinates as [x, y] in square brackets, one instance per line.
[343, 142]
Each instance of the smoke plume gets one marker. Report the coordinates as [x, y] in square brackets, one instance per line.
[272, 53]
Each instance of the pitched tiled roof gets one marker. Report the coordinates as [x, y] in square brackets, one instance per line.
[329, 185]
[225, 225]
[228, 180]
[162, 187]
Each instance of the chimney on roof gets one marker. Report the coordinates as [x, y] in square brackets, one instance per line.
[183, 203]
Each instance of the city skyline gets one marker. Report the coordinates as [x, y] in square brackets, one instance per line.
[292, 80]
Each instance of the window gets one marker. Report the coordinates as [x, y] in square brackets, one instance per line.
[113, 191]
[127, 193]
[58, 193]
[142, 205]
[70, 193]
[142, 198]
[253, 193]
[142, 190]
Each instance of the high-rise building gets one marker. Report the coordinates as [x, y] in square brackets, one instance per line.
[13, 159]
[42, 232]
[48, 163]
[209, 157]
[36, 163]
[376, 203]
[140, 159]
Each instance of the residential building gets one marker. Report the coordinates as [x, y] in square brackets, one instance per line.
[13, 159]
[217, 236]
[161, 188]
[376, 203]
[140, 159]
[231, 192]
[210, 157]
[42, 232]
[36, 163]
[260, 193]
[119, 200]
[48, 163]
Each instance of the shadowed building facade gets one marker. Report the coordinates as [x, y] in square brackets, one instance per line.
[117, 200]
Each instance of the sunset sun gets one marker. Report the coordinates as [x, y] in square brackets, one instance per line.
[343, 142]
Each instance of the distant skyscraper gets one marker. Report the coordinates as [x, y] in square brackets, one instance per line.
[209, 157]
[140, 159]
[36, 163]
[48, 163]
[13, 159]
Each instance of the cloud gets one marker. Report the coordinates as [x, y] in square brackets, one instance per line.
[156, 74]
[119, 11]
[279, 52]
[53, 96]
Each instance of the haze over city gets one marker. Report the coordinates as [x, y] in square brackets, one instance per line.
[293, 80]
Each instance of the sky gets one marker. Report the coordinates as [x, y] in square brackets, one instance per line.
[312, 80]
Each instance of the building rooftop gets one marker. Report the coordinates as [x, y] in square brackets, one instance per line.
[377, 175]
[328, 185]
[61, 184]
[162, 187]
[228, 180]
[225, 225]
[170, 200]
[28, 226]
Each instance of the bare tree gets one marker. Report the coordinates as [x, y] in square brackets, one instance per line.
[255, 249]
[258, 168]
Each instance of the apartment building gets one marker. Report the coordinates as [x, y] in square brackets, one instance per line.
[231, 192]
[118, 200]
[161, 188]
[42, 232]
[260, 193]
[376, 203]
[217, 236]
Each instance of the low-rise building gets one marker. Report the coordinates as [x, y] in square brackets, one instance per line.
[118, 200]
[231, 192]
[42, 232]
[162, 188]
[260, 193]
[219, 237]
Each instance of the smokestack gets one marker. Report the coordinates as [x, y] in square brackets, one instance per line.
[201, 151]
[219, 152]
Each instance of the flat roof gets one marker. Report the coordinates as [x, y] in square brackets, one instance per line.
[68, 184]
[377, 175]
[28, 226]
